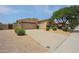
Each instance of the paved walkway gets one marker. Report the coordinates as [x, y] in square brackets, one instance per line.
[71, 44]
[47, 39]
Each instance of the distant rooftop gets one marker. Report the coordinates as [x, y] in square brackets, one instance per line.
[29, 19]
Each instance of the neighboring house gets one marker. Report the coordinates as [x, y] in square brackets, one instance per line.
[3, 26]
[6, 26]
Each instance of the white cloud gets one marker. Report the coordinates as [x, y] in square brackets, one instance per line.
[7, 10]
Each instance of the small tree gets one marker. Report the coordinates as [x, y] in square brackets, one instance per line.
[47, 28]
[54, 28]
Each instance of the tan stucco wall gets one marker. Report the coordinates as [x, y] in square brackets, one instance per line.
[16, 26]
[42, 25]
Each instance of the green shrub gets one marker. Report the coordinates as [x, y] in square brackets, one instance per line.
[17, 29]
[65, 29]
[47, 28]
[54, 28]
[37, 27]
[20, 31]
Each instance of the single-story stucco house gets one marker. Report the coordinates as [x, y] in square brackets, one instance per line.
[27, 23]
[31, 23]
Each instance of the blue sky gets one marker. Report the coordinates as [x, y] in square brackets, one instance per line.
[10, 13]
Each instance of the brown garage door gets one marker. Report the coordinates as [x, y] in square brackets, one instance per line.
[28, 25]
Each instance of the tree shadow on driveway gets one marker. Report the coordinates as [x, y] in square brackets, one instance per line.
[75, 31]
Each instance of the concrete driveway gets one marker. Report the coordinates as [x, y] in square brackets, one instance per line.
[71, 45]
[47, 39]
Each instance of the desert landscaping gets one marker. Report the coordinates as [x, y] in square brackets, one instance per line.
[10, 42]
